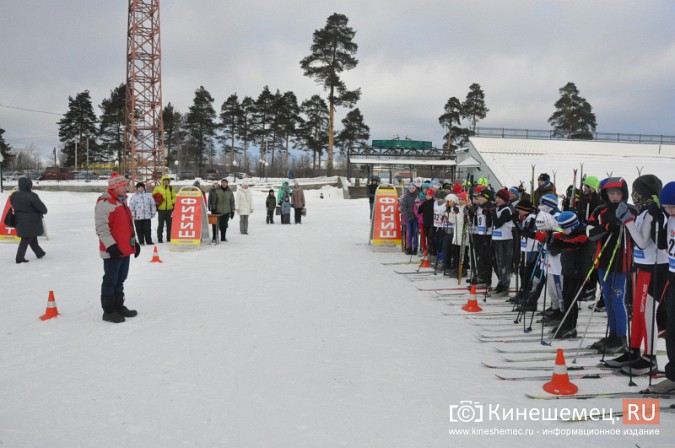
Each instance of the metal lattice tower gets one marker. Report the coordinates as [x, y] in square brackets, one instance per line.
[144, 136]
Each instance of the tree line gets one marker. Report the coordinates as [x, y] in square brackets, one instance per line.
[276, 122]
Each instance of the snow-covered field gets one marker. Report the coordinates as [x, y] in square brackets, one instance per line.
[291, 336]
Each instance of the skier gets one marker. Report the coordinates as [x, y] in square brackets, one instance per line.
[576, 259]
[604, 225]
[544, 187]
[502, 242]
[410, 219]
[482, 237]
[651, 261]
[667, 201]
[529, 247]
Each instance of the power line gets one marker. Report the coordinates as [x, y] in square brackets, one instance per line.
[29, 110]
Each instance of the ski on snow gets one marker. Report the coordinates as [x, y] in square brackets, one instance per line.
[542, 368]
[575, 376]
[599, 395]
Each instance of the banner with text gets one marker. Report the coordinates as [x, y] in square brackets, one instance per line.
[189, 223]
[386, 223]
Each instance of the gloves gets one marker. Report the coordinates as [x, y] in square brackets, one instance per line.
[232, 215]
[114, 251]
[137, 250]
[622, 212]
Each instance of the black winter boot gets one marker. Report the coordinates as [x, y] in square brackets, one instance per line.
[110, 313]
[123, 310]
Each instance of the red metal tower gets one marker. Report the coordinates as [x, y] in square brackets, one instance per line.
[144, 136]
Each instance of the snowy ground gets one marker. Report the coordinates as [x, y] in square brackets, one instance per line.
[292, 336]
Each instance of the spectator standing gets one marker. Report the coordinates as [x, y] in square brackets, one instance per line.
[270, 205]
[143, 208]
[165, 198]
[28, 209]
[244, 208]
[298, 202]
[117, 242]
[224, 206]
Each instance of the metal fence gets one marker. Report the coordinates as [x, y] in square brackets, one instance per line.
[597, 136]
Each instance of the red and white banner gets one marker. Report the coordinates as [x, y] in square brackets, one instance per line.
[189, 220]
[386, 225]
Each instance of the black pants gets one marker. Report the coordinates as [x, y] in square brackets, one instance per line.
[164, 216]
[270, 217]
[298, 215]
[670, 328]
[503, 254]
[285, 218]
[222, 225]
[483, 258]
[31, 241]
[571, 286]
[115, 271]
[143, 230]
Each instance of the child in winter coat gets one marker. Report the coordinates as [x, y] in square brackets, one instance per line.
[270, 205]
[143, 208]
[286, 210]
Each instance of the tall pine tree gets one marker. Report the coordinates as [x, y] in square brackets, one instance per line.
[230, 114]
[200, 124]
[474, 108]
[174, 134]
[79, 124]
[313, 134]
[573, 117]
[111, 126]
[332, 52]
[450, 120]
[354, 133]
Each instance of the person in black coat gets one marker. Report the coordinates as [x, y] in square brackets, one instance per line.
[28, 209]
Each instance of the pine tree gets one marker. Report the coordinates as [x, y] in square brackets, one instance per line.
[332, 52]
[174, 134]
[200, 125]
[5, 150]
[245, 125]
[573, 117]
[230, 114]
[263, 119]
[313, 134]
[354, 134]
[78, 125]
[474, 107]
[449, 120]
[287, 124]
[111, 127]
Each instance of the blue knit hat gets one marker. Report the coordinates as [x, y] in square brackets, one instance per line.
[550, 200]
[515, 190]
[667, 196]
[568, 220]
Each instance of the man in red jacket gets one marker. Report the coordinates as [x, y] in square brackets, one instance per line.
[117, 242]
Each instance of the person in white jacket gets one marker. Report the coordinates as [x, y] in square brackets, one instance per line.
[244, 207]
[143, 208]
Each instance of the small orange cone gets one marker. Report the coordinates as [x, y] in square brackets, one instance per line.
[425, 260]
[560, 382]
[51, 311]
[472, 304]
[155, 257]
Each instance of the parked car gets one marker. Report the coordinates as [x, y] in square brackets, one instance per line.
[186, 175]
[57, 173]
[12, 176]
[84, 175]
[210, 174]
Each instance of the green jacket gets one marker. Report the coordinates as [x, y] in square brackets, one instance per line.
[224, 201]
[167, 195]
[284, 190]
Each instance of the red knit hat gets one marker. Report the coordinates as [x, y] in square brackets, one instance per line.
[116, 180]
[457, 188]
[504, 194]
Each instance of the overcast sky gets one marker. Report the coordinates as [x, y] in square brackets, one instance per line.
[413, 56]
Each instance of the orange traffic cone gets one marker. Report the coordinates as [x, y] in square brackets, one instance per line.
[155, 257]
[472, 304]
[560, 382]
[425, 260]
[51, 311]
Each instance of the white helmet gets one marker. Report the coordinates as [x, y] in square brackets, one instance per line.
[452, 198]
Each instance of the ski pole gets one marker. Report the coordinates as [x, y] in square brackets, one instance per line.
[595, 303]
[583, 285]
